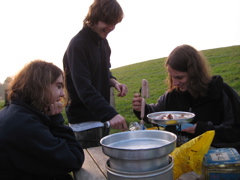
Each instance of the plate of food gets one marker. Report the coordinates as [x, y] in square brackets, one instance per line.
[170, 117]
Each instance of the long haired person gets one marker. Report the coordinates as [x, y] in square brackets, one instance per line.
[34, 142]
[192, 88]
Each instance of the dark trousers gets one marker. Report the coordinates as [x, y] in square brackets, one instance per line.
[91, 137]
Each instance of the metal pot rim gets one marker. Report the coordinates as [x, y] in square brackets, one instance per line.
[139, 131]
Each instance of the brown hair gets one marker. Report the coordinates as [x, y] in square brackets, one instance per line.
[108, 11]
[185, 58]
[32, 83]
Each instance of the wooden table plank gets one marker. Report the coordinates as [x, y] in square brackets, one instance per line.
[99, 157]
[89, 170]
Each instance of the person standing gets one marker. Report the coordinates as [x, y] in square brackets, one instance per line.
[34, 142]
[87, 65]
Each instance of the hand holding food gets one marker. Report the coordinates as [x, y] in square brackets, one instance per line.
[137, 102]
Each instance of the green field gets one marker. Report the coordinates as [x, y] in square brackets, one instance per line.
[1, 104]
[223, 61]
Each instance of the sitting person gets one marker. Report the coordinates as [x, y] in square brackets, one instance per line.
[34, 142]
[192, 88]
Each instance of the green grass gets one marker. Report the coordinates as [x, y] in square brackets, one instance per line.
[223, 61]
[2, 102]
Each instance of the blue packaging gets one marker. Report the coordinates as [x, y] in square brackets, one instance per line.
[222, 163]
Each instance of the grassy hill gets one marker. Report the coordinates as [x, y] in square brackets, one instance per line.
[223, 61]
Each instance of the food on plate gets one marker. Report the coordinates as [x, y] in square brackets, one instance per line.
[165, 116]
[169, 116]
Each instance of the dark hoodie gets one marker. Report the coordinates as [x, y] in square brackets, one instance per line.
[86, 63]
[35, 146]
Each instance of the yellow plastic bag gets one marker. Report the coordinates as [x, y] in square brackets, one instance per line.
[189, 156]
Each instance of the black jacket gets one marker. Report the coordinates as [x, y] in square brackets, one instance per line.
[219, 111]
[86, 63]
[35, 146]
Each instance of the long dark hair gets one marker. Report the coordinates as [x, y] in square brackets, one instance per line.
[32, 83]
[186, 58]
[108, 11]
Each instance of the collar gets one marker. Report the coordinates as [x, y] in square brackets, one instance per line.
[87, 31]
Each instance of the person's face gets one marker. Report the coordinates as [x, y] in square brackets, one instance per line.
[103, 29]
[179, 79]
[57, 89]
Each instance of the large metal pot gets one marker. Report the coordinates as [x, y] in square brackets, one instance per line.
[137, 151]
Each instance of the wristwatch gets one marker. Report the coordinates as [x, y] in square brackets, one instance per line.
[107, 124]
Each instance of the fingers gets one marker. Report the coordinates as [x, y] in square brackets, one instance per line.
[54, 108]
[122, 89]
[118, 122]
[121, 126]
[137, 102]
[125, 127]
[136, 95]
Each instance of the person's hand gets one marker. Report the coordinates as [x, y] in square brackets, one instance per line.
[190, 129]
[54, 109]
[118, 122]
[122, 89]
[137, 102]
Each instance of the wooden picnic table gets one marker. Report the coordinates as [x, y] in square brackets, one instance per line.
[93, 166]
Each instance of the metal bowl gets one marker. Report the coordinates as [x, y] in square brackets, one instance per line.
[180, 117]
[136, 151]
[165, 172]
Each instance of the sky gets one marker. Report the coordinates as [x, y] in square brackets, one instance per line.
[151, 29]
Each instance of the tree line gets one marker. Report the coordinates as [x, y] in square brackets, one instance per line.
[3, 88]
